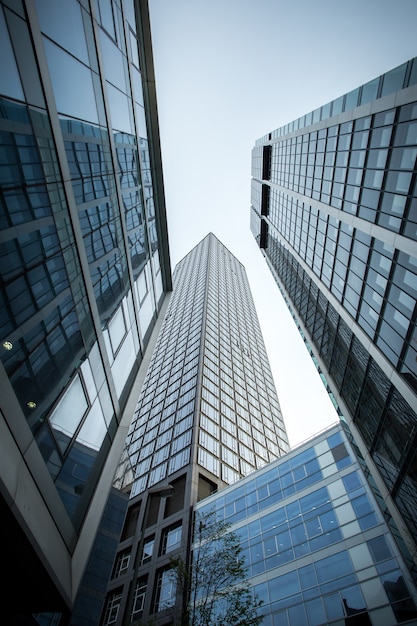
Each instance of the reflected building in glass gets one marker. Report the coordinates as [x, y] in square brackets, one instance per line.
[315, 544]
[334, 210]
[207, 416]
[84, 274]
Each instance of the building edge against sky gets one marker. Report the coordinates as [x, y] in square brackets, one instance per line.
[85, 273]
[334, 211]
[208, 414]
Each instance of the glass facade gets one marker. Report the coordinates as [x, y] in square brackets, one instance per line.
[333, 209]
[208, 414]
[84, 257]
[209, 368]
[315, 544]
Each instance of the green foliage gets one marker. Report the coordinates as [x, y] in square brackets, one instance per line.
[215, 584]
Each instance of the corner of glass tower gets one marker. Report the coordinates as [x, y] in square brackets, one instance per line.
[85, 273]
[334, 210]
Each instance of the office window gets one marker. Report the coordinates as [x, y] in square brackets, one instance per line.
[171, 538]
[165, 590]
[139, 597]
[122, 563]
[112, 607]
[148, 547]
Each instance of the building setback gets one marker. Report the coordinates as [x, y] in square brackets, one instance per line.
[85, 273]
[334, 210]
[316, 546]
[207, 416]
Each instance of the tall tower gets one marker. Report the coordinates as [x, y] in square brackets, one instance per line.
[334, 210]
[84, 271]
[208, 415]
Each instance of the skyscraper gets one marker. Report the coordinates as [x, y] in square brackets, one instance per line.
[208, 415]
[84, 275]
[334, 210]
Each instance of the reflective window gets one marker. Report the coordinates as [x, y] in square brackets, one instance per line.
[171, 538]
[69, 34]
[70, 78]
[148, 547]
[9, 75]
[165, 590]
[69, 413]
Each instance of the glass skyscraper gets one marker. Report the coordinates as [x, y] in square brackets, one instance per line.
[84, 274]
[208, 415]
[334, 210]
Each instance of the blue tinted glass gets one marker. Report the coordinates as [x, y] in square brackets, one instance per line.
[69, 485]
[283, 541]
[313, 500]
[362, 506]
[395, 586]
[334, 606]
[284, 468]
[338, 583]
[107, 17]
[370, 91]
[48, 448]
[351, 99]
[307, 576]
[9, 76]
[386, 566]
[137, 86]
[293, 510]
[351, 481]
[338, 105]
[302, 458]
[297, 615]
[353, 599]
[333, 566]
[273, 520]
[393, 80]
[284, 586]
[379, 549]
[114, 64]
[120, 109]
[334, 440]
[261, 591]
[254, 528]
[413, 73]
[326, 539]
[315, 612]
[287, 480]
[62, 21]
[312, 466]
[72, 84]
[368, 521]
[298, 534]
[262, 480]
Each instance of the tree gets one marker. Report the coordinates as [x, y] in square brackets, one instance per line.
[215, 588]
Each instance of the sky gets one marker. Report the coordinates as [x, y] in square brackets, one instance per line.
[228, 72]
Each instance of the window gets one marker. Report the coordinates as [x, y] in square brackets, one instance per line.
[165, 590]
[148, 549]
[112, 607]
[122, 563]
[139, 597]
[171, 539]
[68, 414]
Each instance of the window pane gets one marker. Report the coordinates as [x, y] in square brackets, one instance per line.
[72, 84]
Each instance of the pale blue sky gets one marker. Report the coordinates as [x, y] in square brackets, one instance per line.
[229, 71]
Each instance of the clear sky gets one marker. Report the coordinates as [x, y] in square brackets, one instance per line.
[230, 71]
